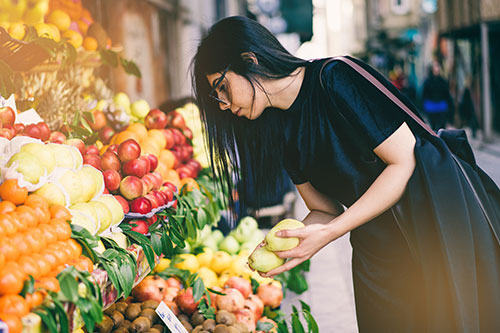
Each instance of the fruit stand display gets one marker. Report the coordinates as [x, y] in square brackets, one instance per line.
[108, 209]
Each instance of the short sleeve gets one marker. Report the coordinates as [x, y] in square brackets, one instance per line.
[367, 109]
[292, 168]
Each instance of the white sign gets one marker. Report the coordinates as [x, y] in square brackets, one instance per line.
[170, 319]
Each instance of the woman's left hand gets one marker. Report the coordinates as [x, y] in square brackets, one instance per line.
[312, 238]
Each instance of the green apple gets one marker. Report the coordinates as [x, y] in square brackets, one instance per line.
[114, 206]
[140, 109]
[52, 193]
[121, 99]
[210, 242]
[70, 181]
[263, 260]
[28, 166]
[103, 213]
[85, 221]
[245, 229]
[230, 245]
[63, 155]
[43, 153]
[274, 243]
[217, 235]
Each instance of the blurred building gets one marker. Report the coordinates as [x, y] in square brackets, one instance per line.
[470, 31]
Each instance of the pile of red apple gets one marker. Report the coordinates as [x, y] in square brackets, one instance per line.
[177, 135]
[129, 174]
[238, 298]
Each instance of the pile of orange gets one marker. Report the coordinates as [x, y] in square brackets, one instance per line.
[34, 240]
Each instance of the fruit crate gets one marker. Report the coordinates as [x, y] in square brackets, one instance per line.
[19, 55]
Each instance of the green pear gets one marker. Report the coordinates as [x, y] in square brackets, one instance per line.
[230, 245]
[28, 166]
[263, 260]
[217, 235]
[43, 153]
[274, 243]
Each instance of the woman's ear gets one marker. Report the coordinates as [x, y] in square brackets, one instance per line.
[249, 57]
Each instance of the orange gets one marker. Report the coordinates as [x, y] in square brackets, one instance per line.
[50, 259]
[48, 283]
[41, 209]
[76, 249]
[43, 265]
[11, 279]
[84, 26]
[62, 228]
[58, 211]
[2, 260]
[162, 169]
[125, 135]
[14, 323]
[34, 299]
[150, 147]
[6, 207]
[9, 249]
[27, 214]
[48, 232]
[167, 157]
[11, 191]
[191, 184]
[158, 136]
[19, 242]
[84, 264]
[9, 226]
[73, 37]
[14, 304]
[20, 224]
[35, 240]
[173, 177]
[139, 129]
[32, 198]
[29, 266]
[60, 19]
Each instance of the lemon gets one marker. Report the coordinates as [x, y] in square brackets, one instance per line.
[73, 37]
[189, 262]
[221, 261]
[209, 277]
[44, 30]
[162, 265]
[205, 257]
[17, 30]
[240, 268]
[60, 19]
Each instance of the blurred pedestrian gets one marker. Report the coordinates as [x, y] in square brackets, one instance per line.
[436, 99]
[424, 257]
[466, 111]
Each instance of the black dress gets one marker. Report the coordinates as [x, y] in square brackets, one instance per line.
[408, 276]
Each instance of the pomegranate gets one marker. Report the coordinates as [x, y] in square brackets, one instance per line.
[270, 295]
[246, 317]
[147, 289]
[173, 306]
[237, 282]
[173, 282]
[255, 304]
[233, 300]
[185, 301]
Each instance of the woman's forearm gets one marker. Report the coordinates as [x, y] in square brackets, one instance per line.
[384, 192]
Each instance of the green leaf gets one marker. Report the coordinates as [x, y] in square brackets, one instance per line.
[61, 316]
[296, 324]
[198, 289]
[282, 327]
[201, 218]
[255, 285]
[69, 286]
[47, 320]
[312, 326]
[156, 243]
[130, 67]
[297, 283]
[127, 272]
[109, 58]
[305, 306]
[168, 248]
[28, 287]
[112, 275]
[144, 243]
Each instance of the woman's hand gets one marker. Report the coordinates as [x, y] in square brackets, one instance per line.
[312, 238]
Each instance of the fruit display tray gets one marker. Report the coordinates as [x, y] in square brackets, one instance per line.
[150, 214]
[19, 55]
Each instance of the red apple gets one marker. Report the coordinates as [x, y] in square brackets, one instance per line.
[7, 115]
[131, 187]
[179, 138]
[32, 130]
[158, 180]
[113, 148]
[160, 197]
[141, 226]
[152, 220]
[7, 133]
[105, 191]
[141, 205]
[112, 180]
[57, 137]
[91, 150]
[195, 164]
[169, 136]
[136, 167]
[156, 119]
[99, 120]
[148, 183]
[153, 200]
[148, 163]
[19, 128]
[123, 202]
[187, 133]
[110, 161]
[153, 161]
[105, 134]
[152, 181]
[184, 172]
[171, 186]
[176, 120]
[45, 131]
[78, 143]
[129, 150]
[93, 160]
[168, 194]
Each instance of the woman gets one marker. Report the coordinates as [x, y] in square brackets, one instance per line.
[436, 99]
[423, 260]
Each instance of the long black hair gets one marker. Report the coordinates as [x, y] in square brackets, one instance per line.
[251, 148]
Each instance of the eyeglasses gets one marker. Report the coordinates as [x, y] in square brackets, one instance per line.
[213, 93]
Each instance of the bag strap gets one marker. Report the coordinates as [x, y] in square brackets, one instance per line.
[363, 72]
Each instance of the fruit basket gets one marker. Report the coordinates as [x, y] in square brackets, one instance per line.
[19, 55]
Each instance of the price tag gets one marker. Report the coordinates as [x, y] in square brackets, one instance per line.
[170, 319]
